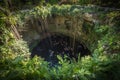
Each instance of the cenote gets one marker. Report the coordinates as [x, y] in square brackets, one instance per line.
[58, 44]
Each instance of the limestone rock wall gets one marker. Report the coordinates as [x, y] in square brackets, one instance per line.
[36, 29]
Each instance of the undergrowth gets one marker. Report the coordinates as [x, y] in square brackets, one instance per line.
[102, 64]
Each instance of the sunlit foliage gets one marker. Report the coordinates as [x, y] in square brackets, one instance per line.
[104, 43]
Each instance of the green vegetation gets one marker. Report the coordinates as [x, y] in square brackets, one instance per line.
[102, 39]
[24, 4]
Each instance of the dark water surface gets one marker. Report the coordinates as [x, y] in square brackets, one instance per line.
[55, 45]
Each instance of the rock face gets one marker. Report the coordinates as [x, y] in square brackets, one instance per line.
[38, 29]
[76, 22]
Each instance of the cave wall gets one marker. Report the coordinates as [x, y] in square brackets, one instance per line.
[36, 29]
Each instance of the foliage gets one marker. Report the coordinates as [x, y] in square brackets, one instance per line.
[21, 4]
[47, 11]
[102, 64]
[20, 46]
[95, 67]
[6, 39]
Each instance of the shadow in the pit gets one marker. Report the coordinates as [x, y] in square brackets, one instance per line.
[52, 46]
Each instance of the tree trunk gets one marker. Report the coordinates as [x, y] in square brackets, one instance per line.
[15, 32]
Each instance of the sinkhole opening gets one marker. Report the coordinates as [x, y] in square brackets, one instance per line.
[59, 44]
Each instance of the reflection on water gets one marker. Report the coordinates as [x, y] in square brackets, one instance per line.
[55, 45]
